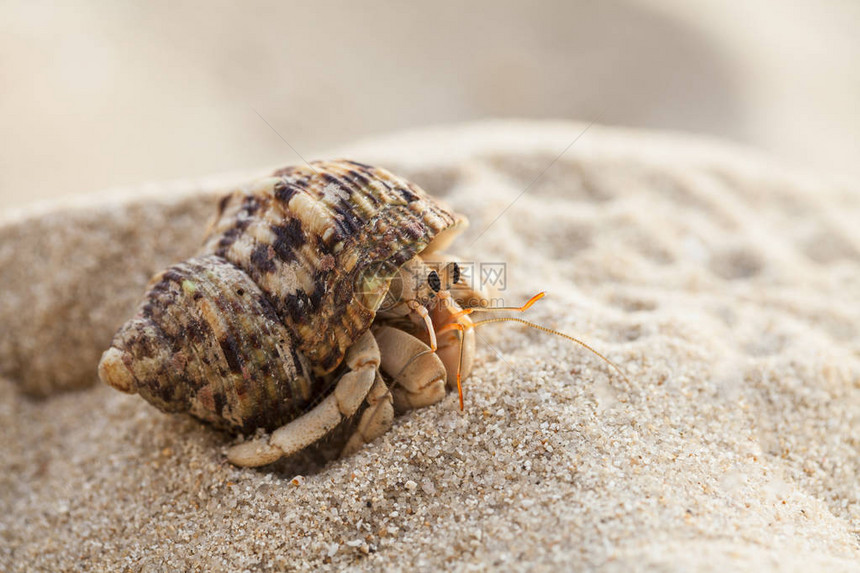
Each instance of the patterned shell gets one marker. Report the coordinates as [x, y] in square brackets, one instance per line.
[247, 334]
[322, 241]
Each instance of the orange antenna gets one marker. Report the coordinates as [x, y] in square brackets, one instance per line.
[461, 328]
[522, 308]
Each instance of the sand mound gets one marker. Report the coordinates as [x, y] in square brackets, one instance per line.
[726, 287]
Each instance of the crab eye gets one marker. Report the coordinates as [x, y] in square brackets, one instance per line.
[434, 281]
[455, 274]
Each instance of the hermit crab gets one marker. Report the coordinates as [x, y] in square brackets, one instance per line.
[321, 298]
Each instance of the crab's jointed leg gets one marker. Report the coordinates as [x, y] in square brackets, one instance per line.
[376, 419]
[418, 373]
[362, 359]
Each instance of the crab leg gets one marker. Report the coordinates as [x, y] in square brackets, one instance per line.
[351, 390]
[376, 419]
[428, 322]
[419, 375]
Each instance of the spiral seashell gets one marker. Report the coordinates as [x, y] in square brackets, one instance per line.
[251, 332]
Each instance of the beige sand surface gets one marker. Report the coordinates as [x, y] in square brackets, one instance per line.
[726, 286]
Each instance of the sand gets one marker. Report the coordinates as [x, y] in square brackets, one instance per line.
[726, 286]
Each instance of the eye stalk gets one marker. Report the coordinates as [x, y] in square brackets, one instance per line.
[434, 281]
[445, 278]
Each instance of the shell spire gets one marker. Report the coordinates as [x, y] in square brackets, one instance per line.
[206, 341]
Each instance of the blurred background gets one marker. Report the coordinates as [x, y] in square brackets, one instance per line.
[103, 94]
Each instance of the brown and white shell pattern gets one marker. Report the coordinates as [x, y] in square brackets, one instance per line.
[247, 334]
